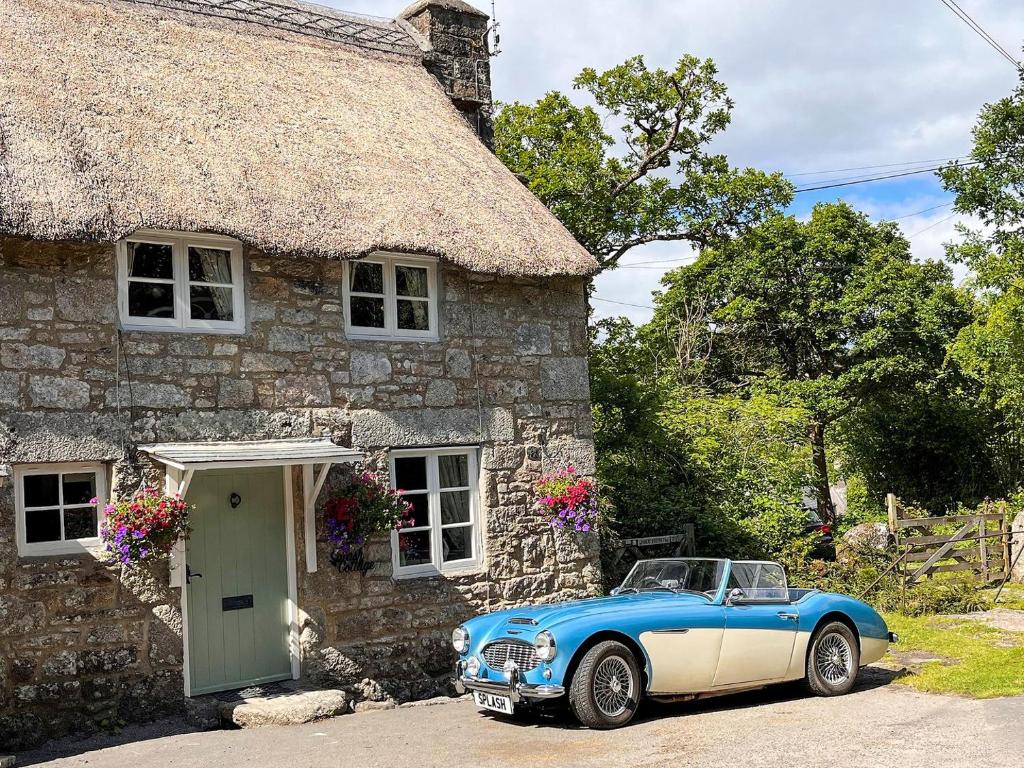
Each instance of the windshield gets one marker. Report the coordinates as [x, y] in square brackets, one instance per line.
[677, 575]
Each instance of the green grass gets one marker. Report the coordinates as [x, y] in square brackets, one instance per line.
[1012, 596]
[976, 660]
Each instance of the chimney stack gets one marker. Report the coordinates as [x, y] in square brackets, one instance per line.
[458, 56]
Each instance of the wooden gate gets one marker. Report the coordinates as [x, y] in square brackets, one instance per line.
[978, 543]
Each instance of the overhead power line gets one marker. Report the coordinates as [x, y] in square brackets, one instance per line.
[906, 164]
[869, 179]
[977, 28]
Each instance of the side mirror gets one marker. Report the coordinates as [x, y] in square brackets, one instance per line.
[735, 595]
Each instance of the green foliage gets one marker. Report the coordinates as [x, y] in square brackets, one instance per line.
[833, 310]
[656, 179]
[972, 659]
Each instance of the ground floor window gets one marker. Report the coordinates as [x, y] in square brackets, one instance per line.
[56, 508]
[441, 484]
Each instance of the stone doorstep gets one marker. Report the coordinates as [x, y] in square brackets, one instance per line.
[293, 705]
[6, 762]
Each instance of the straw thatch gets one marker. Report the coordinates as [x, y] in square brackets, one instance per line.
[116, 115]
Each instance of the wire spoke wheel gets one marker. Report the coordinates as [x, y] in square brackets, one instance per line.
[613, 686]
[833, 659]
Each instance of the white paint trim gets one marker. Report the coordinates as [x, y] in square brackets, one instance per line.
[173, 484]
[294, 650]
[389, 261]
[182, 321]
[91, 545]
[437, 566]
[310, 491]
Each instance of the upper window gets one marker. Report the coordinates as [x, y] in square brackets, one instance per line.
[57, 508]
[445, 531]
[173, 281]
[391, 295]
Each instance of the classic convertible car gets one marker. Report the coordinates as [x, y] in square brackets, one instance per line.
[676, 629]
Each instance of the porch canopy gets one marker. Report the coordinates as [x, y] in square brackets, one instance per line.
[184, 459]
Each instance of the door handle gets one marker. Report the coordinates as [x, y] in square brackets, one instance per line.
[189, 575]
[790, 616]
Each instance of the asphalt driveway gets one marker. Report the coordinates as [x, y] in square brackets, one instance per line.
[879, 724]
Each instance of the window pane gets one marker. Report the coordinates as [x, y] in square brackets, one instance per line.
[149, 260]
[453, 471]
[80, 523]
[367, 313]
[42, 525]
[41, 490]
[414, 548]
[411, 473]
[211, 303]
[420, 514]
[366, 278]
[209, 265]
[413, 315]
[454, 507]
[150, 300]
[79, 488]
[411, 281]
[457, 543]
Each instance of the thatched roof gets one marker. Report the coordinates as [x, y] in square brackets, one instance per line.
[119, 114]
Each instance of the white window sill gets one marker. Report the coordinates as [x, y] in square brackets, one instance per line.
[85, 547]
[177, 329]
[471, 569]
[355, 336]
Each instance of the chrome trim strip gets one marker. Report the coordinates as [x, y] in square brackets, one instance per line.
[670, 631]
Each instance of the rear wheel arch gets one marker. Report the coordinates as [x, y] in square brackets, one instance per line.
[827, 619]
[619, 637]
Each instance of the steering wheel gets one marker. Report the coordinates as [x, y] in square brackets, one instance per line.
[650, 581]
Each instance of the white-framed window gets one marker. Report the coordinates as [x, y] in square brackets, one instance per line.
[441, 484]
[175, 281]
[391, 295]
[54, 513]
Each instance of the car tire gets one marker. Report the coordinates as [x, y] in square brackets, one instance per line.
[833, 660]
[606, 686]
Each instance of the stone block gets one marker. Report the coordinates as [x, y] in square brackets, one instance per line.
[29, 356]
[299, 390]
[369, 367]
[151, 395]
[107, 660]
[441, 393]
[431, 426]
[458, 363]
[565, 378]
[58, 392]
[10, 384]
[532, 339]
[258, 362]
[282, 339]
[165, 636]
[235, 393]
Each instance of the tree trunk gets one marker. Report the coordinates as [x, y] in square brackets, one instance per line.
[826, 509]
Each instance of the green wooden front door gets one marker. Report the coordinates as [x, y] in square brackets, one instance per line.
[237, 611]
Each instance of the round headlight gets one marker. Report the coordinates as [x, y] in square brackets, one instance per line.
[544, 644]
[460, 640]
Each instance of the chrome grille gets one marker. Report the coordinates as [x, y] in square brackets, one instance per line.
[522, 620]
[523, 654]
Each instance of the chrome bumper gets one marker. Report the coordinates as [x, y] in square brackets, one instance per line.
[514, 688]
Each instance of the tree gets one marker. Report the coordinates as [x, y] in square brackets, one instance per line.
[659, 181]
[991, 349]
[833, 309]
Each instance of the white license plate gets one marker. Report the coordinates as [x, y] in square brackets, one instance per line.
[493, 702]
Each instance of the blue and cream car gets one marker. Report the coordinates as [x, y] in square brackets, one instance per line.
[676, 629]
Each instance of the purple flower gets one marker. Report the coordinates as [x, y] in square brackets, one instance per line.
[138, 535]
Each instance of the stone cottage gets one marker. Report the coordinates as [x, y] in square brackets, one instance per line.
[243, 246]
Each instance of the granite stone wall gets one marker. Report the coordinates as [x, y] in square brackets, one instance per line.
[83, 644]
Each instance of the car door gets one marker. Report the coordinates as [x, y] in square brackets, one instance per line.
[760, 628]
[684, 648]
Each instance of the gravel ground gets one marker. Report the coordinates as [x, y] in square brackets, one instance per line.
[879, 724]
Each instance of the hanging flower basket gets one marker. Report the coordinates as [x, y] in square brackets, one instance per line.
[144, 528]
[368, 506]
[569, 501]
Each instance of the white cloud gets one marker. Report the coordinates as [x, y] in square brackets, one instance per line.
[817, 85]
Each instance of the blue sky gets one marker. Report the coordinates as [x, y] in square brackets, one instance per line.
[818, 85]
